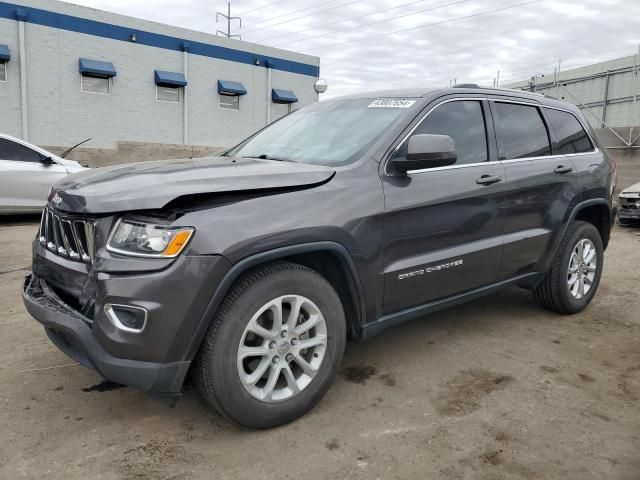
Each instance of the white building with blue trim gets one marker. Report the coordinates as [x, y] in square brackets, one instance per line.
[68, 73]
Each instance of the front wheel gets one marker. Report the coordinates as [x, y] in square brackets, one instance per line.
[575, 273]
[274, 346]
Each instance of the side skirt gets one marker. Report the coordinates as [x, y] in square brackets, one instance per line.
[371, 329]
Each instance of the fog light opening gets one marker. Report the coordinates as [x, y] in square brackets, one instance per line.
[126, 317]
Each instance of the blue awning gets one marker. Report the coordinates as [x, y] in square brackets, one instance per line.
[96, 68]
[5, 55]
[170, 79]
[283, 96]
[226, 87]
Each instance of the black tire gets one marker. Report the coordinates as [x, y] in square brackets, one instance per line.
[553, 292]
[215, 371]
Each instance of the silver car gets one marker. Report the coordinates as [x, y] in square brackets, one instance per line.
[629, 211]
[27, 173]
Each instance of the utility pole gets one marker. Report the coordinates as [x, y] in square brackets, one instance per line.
[557, 75]
[632, 107]
[229, 18]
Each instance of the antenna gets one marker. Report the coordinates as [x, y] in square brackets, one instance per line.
[229, 18]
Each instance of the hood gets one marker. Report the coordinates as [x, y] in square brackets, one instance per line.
[71, 166]
[633, 191]
[151, 185]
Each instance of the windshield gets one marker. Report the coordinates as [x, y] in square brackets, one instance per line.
[328, 133]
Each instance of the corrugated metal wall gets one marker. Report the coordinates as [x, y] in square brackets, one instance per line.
[603, 91]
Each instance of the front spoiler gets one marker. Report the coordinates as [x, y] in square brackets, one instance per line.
[72, 334]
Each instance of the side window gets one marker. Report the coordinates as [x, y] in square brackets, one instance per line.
[13, 151]
[463, 121]
[520, 132]
[569, 132]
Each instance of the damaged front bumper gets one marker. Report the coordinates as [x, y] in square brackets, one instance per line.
[629, 214]
[80, 305]
[72, 334]
[629, 208]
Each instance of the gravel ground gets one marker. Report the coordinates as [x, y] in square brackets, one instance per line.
[494, 389]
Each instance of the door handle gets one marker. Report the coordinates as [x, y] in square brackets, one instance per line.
[562, 169]
[488, 179]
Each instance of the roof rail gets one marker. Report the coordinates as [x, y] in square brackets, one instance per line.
[503, 89]
[517, 90]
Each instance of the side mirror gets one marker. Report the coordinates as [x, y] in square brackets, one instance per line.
[46, 161]
[427, 151]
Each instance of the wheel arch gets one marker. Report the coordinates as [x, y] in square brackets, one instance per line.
[596, 211]
[330, 259]
[599, 215]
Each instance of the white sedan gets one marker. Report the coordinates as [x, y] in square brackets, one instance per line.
[27, 173]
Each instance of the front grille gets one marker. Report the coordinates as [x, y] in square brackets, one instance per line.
[67, 237]
[629, 202]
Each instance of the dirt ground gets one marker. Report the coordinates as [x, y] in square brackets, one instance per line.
[494, 389]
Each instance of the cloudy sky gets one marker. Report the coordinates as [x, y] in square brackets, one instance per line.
[372, 44]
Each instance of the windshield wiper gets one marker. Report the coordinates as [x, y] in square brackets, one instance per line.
[264, 156]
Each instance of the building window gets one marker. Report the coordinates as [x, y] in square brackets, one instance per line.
[165, 93]
[3, 71]
[230, 93]
[232, 102]
[95, 76]
[91, 84]
[168, 86]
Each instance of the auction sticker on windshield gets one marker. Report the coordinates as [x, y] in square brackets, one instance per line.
[391, 103]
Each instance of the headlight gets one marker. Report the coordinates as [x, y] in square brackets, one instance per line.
[140, 239]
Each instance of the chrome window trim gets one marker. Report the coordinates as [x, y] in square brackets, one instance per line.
[452, 167]
[513, 160]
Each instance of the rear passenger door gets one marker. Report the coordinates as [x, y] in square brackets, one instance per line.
[542, 187]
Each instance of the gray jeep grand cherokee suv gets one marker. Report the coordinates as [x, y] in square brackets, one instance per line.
[251, 269]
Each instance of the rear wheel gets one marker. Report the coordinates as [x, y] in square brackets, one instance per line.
[274, 346]
[575, 273]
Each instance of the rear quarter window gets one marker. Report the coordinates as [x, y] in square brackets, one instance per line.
[570, 135]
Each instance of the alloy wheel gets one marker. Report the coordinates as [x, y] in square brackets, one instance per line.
[582, 268]
[282, 348]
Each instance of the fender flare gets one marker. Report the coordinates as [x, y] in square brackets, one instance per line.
[574, 213]
[245, 264]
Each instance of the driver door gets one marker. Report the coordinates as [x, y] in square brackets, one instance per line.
[25, 180]
[443, 226]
